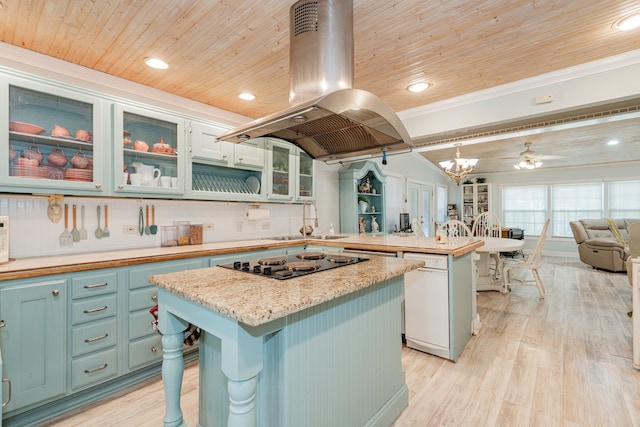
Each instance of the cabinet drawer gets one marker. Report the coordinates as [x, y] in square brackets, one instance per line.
[138, 276]
[94, 368]
[140, 324]
[93, 336]
[145, 351]
[94, 284]
[93, 308]
[145, 298]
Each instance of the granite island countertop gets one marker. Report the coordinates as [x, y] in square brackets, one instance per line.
[71, 263]
[256, 300]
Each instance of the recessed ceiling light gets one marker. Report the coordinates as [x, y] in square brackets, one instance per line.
[247, 96]
[628, 22]
[418, 87]
[156, 63]
[613, 142]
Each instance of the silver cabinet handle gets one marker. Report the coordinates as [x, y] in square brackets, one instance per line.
[7, 380]
[97, 285]
[100, 368]
[98, 186]
[101, 337]
[95, 310]
[154, 349]
[55, 292]
[154, 298]
[2, 324]
[120, 187]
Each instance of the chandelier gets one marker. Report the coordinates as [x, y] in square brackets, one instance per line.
[462, 166]
[528, 164]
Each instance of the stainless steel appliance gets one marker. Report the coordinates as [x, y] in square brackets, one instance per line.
[328, 118]
[4, 239]
[290, 266]
[426, 305]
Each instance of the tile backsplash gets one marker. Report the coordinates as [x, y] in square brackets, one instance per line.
[33, 234]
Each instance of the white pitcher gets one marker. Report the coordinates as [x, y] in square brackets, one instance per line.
[150, 174]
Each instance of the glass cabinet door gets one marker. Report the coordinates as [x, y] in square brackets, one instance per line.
[305, 183]
[281, 170]
[148, 148]
[56, 140]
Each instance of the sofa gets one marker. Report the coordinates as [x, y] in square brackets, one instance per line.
[597, 245]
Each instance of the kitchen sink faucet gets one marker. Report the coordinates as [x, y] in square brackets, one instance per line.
[305, 219]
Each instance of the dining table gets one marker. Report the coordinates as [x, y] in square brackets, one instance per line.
[487, 281]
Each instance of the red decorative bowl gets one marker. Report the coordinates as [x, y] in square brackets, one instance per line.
[25, 128]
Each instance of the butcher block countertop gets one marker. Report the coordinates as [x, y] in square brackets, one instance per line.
[71, 263]
[256, 300]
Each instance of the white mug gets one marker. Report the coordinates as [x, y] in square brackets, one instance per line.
[165, 181]
[174, 182]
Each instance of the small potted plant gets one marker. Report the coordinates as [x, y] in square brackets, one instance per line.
[364, 204]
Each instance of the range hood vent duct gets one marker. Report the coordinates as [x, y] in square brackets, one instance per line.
[328, 118]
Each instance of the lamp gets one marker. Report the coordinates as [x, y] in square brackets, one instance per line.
[462, 166]
[528, 164]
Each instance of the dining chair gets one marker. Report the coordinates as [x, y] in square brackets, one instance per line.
[456, 228]
[532, 263]
[488, 224]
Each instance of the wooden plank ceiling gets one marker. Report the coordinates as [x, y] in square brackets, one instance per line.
[219, 48]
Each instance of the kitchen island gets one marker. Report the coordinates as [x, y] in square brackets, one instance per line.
[317, 350]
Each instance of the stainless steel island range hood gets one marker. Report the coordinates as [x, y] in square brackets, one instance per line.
[328, 118]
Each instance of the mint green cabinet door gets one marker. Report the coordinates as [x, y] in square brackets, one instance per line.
[33, 341]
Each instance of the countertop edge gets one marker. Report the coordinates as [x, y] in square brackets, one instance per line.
[26, 268]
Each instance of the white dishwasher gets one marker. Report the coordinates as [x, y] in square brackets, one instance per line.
[426, 305]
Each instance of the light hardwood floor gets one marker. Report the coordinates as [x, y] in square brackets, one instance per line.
[561, 361]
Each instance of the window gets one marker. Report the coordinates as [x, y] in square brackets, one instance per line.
[624, 199]
[571, 202]
[525, 208]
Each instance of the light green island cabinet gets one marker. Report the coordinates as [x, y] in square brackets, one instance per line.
[362, 198]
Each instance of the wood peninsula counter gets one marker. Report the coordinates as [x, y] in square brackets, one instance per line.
[316, 350]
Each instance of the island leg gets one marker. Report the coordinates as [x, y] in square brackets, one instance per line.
[242, 403]
[241, 364]
[172, 371]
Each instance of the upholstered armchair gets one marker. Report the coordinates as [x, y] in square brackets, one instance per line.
[597, 245]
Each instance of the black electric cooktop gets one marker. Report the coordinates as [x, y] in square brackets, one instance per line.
[289, 266]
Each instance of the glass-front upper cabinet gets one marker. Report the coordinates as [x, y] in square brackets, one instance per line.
[290, 172]
[57, 139]
[280, 170]
[305, 183]
[149, 151]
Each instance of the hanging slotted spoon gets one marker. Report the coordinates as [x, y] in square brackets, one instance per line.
[66, 238]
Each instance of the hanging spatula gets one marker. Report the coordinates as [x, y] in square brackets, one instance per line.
[75, 233]
[83, 231]
[105, 230]
[66, 238]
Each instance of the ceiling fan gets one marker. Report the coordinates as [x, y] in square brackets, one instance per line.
[530, 159]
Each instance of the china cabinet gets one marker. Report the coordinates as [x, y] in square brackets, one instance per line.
[362, 198]
[476, 199]
[148, 145]
[290, 172]
[56, 139]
